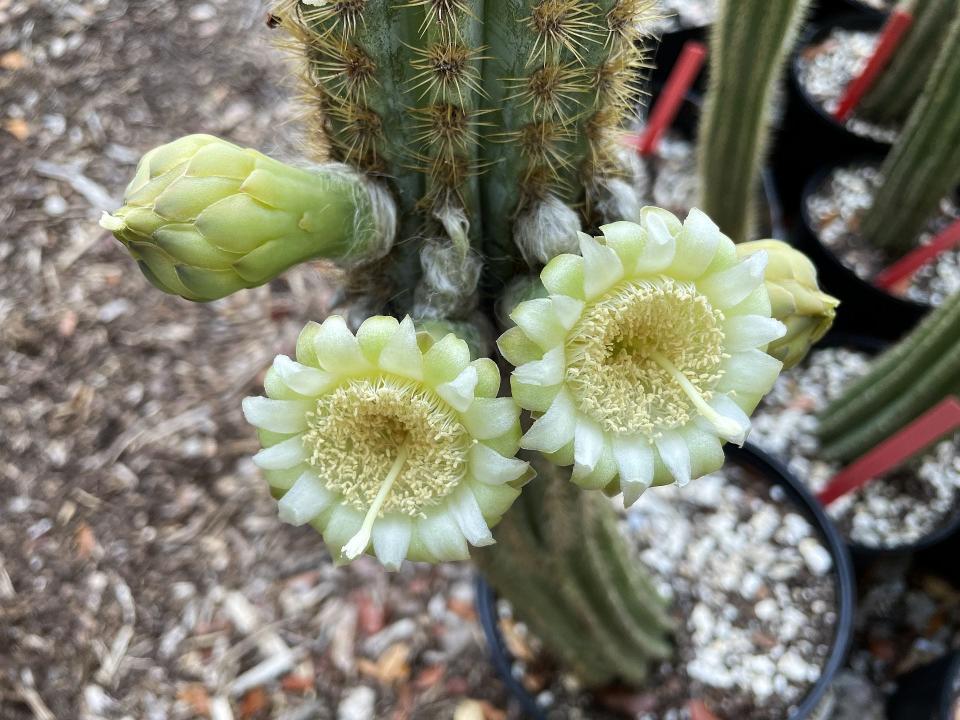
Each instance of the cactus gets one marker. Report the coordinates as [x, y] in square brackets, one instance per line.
[481, 114]
[897, 88]
[487, 135]
[903, 383]
[924, 165]
[572, 579]
[749, 42]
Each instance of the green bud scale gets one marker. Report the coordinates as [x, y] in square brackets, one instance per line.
[205, 218]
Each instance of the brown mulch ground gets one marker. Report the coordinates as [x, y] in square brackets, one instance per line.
[143, 572]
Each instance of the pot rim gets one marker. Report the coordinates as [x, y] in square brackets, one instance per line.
[871, 291]
[951, 525]
[844, 584]
[850, 20]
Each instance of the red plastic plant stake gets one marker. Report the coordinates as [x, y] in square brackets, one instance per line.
[668, 104]
[913, 261]
[941, 419]
[890, 38]
[699, 711]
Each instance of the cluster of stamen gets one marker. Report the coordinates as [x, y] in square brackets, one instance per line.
[357, 432]
[627, 347]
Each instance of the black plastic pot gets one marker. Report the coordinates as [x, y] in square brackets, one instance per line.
[928, 693]
[865, 308]
[939, 549]
[756, 460]
[669, 48]
[810, 137]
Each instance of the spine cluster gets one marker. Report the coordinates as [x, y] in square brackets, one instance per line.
[479, 113]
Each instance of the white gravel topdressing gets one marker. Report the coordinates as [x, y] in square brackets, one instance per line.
[827, 68]
[879, 514]
[744, 563]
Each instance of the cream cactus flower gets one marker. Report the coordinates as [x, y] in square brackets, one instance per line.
[647, 353]
[388, 440]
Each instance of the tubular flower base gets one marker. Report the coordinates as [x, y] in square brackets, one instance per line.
[388, 441]
[204, 218]
[646, 355]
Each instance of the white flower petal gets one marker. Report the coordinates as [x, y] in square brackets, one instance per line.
[601, 266]
[555, 428]
[567, 309]
[488, 418]
[401, 355]
[337, 348]
[728, 287]
[442, 537]
[459, 392]
[634, 458]
[281, 416]
[491, 468]
[588, 443]
[696, 245]
[675, 455]
[282, 456]
[539, 321]
[744, 332]
[466, 511]
[659, 248]
[546, 371]
[749, 372]
[302, 378]
[305, 500]
[391, 538]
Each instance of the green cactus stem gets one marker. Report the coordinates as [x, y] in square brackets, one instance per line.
[924, 165]
[562, 563]
[478, 112]
[748, 45]
[897, 88]
[903, 383]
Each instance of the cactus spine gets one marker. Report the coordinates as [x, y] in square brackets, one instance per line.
[907, 380]
[748, 45]
[890, 100]
[561, 561]
[924, 164]
[478, 112]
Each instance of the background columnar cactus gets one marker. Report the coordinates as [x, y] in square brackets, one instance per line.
[904, 382]
[749, 42]
[897, 88]
[924, 165]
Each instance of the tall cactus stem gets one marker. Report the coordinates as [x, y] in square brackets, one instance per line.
[897, 88]
[901, 384]
[749, 43]
[924, 165]
[559, 538]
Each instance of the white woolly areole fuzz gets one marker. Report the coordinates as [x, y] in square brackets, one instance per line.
[373, 198]
[545, 229]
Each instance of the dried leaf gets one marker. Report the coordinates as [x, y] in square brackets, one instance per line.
[196, 696]
[17, 127]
